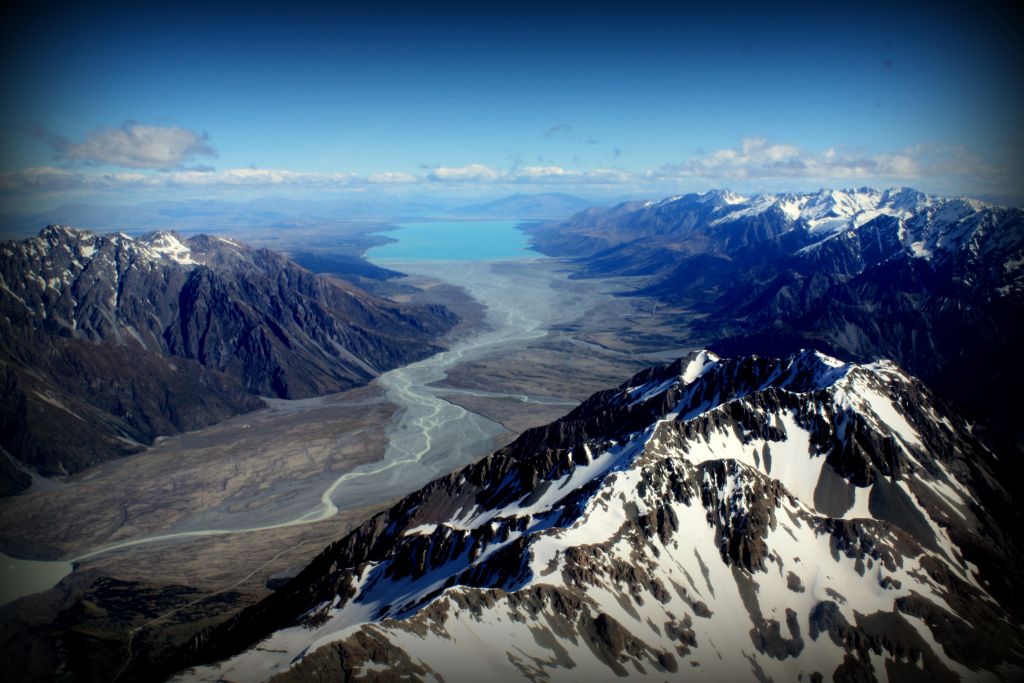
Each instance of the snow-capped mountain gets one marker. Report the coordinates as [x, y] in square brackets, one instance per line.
[827, 210]
[109, 341]
[722, 222]
[718, 519]
[934, 283]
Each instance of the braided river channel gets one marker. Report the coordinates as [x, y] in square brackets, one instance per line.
[428, 435]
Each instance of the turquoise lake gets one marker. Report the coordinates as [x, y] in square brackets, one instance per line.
[454, 241]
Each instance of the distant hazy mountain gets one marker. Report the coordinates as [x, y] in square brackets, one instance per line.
[933, 283]
[217, 215]
[161, 215]
[341, 264]
[107, 341]
[535, 206]
[270, 212]
[714, 519]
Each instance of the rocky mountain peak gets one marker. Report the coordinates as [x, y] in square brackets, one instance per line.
[208, 323]
[737, 516]
[168, 245]
[721, 197]
[58, 232]
[934, 283]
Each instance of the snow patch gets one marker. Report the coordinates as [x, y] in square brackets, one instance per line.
[169, 246]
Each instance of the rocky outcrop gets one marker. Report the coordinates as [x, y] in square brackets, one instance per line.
[107, 342]
[933, 283]
[672, 524]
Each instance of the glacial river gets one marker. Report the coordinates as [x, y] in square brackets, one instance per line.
[428, 436]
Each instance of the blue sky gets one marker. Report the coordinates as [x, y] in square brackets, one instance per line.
[115, 103]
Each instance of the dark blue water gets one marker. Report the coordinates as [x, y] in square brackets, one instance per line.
[454, 241]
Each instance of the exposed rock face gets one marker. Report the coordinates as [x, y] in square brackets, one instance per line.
[107, 341]
[934, 284]
[733, 519]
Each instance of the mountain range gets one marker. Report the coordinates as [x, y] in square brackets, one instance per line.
[217, 216]
[827, 492]
[932, 283]
[795, 518]
[527, 206]
[107, 342]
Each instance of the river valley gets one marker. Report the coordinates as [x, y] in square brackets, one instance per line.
[216, 512]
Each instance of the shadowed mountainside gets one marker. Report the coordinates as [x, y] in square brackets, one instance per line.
[796, 518]
[933, 283]
[109, 341]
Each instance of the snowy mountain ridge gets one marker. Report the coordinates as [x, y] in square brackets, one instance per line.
[208, 323]
[829, 212]
[741, 518]
[64, 267]
[930, 282]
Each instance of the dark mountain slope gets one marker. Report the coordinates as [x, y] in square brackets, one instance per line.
[935, 284]
[109, 341]
[731, 518]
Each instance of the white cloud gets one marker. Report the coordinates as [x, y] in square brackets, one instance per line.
[754, 163]
[48, 179]
[136, 145]
[391, 178]
[557, 174]
[472, 172]
[253, 176]
[757, 158]
[541, 172]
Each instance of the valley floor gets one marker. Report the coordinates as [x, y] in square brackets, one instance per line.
[175, 538]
